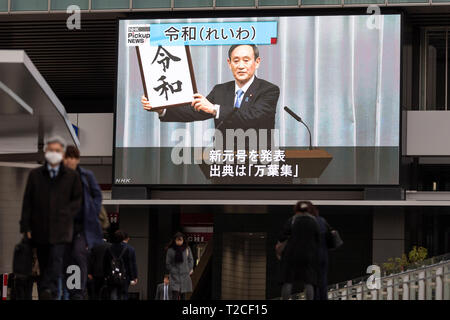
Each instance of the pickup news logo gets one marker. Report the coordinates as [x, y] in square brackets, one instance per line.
[138, 35]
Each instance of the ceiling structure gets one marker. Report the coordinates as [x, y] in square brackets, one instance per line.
[30, 112]
[80, 65]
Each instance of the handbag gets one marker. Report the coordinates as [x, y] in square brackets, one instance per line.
[23, 258]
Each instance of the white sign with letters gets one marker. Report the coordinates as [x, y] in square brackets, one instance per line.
[167, 75]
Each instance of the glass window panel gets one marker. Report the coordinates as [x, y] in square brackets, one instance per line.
[235, 3]
[3, 5]
[363, 1]
[193, 3]
[144, 4]
[64, 4]
[29, 5]
[110, 4]
[320, 2]
[278, 3]
[408, 1]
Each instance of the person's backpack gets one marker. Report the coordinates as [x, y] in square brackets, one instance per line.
[118, 273]
[23, 259]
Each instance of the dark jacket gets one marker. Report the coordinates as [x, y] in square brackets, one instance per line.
[92, 203]
[257, 110]
[133, 263]
[97, 258]
[50, 205]
[300, 259]
[160, 292]
[116, 249]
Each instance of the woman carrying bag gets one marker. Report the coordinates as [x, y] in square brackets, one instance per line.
[179, 264]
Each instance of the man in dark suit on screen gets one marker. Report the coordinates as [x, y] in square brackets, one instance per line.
[245, 103]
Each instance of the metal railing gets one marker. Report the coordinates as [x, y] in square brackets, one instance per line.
[427, 280]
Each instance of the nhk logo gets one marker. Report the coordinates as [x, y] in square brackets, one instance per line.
[138, 35]
[123, 180]
[139, 29]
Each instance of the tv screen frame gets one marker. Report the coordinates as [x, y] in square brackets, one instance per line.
[261, 13]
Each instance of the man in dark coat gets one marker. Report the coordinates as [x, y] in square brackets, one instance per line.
[300, 258]
[96, 270]
[52, 199]
[133, 262]
[87, 230]
[164, 290]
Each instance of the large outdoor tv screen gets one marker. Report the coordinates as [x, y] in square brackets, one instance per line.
[259, 100]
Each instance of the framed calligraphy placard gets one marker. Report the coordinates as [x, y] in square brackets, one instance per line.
[167, 75]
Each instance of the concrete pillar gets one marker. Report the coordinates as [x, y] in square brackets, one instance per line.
[343, 294]
[406, 284]
[374, 294]
[390, 289]
[439, 283]
[388, 233]
[359, 294]
[422, 285]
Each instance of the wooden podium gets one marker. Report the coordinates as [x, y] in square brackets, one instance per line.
[311, 164]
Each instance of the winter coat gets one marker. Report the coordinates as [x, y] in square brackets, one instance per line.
[50, 205]
[180, 279]
[300, 258]
[92, 203]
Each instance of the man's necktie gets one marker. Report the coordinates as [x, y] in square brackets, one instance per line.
[166, 296]
[239, 94]
[52, 173]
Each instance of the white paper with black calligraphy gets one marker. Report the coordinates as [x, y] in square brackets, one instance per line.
[167, 75]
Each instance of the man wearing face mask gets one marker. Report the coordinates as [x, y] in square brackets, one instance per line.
[52, 198]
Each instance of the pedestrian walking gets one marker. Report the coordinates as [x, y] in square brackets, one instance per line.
[180, 264]
[87, 230]
[300, 257]
[52, 199]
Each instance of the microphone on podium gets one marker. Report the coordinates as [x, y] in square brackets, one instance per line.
[296, 117]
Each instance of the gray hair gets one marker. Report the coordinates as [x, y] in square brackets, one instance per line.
[55, 139]
[234, 46]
